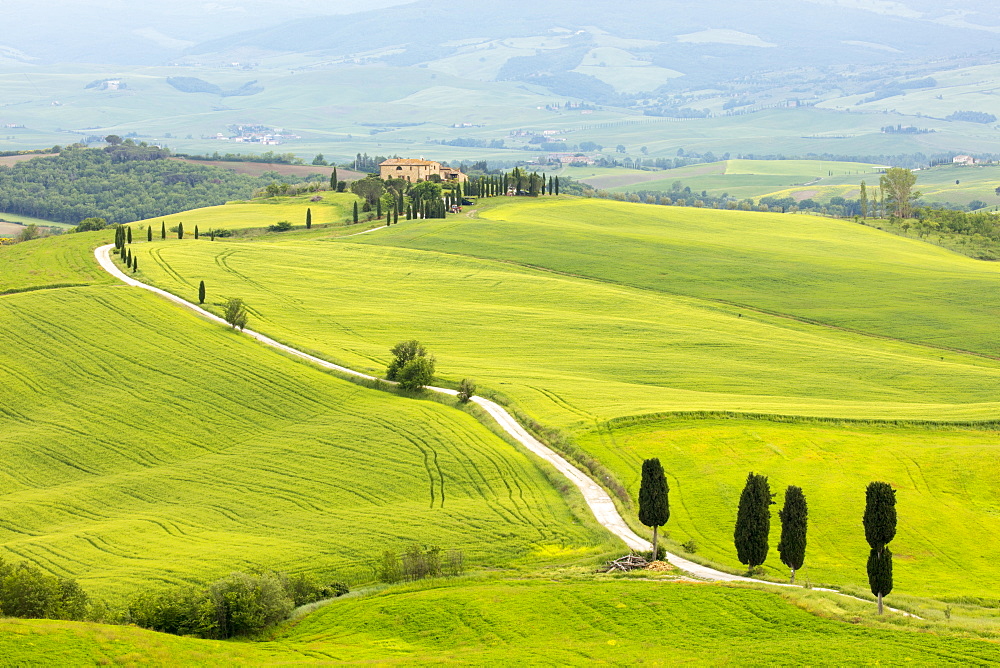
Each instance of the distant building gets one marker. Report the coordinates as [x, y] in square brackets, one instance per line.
[963, 160]
[418, 170]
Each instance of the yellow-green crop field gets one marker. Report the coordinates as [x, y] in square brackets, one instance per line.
[946, 479]
[145, 446]
[944, 183]
[739, 178]
[334, 208]
[583, 311]
[524, 622]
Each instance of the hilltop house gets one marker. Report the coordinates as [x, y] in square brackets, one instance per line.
[418, 170]
[963, 160]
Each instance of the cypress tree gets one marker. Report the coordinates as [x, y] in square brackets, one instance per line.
[309, 218]
[557, 186]
[195, 231]
[333, 180]
[654, 503]
[550, 185]
[149, 233]
[135, 264]
[794, 520]
[163, 230]
[201, 292]
[408, 210]
[880, 574]
[378, 208]
[128, 231]
[880, 528]
[395, 217]
[355, 212]
[180, 230]
[753, 522]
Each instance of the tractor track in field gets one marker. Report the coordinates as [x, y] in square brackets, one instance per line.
[597, 499]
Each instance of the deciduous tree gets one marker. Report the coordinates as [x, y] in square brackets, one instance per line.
[897, 184]
[235, 313]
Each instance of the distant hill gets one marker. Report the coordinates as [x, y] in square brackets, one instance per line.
[551, 42]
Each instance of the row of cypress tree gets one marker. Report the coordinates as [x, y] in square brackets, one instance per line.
[753, 523]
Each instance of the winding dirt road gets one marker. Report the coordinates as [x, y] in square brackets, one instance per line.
[599, 501]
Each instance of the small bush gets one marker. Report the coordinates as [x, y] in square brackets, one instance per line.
[27, 592]
[418, 563]
[690, 547]
[282, 226]
[235, 313]
[466, 390]
[661, 553]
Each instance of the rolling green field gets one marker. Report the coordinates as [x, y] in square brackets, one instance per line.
[943, 184]
[536, 622]
[610, 350]
[946, 480]
[738, 178]
[334, 208]
[691, 310]
[145, 446]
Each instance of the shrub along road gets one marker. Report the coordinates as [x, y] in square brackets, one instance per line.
[597, 499]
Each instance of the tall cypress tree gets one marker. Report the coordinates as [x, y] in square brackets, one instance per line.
[195, 231]
[135, 264]
[395, 217]
[128, 231]
[180, 230]
[149, 233]
[309, 218]
[378, 208]
[163, 230]
[794, 517]
[557, 186]
[355, 212]
[880, 528]
[333, 180]
[201, 292]
[753, 522]
[654, 502]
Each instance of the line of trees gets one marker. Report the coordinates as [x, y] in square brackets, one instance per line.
[751, 534]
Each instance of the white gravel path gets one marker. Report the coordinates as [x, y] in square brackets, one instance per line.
[600, 502]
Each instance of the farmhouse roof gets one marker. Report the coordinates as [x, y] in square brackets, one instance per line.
[407, 161]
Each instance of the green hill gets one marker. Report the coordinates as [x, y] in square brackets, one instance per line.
[145, 446]
[585, 311]
[533, 622]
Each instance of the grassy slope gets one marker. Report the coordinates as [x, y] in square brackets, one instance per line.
[615, 350]
[334, 208]
[175, 450]
[524, 622]
[51, 262]
[754, 178]
[803, 266]
[610, 350]
[945, 481]
[947, 183]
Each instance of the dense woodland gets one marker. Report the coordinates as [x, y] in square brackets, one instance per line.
[120, 183]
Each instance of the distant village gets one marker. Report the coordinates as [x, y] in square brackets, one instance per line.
[255, 134]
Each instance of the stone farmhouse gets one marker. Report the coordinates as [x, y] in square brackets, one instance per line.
[418, 170]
